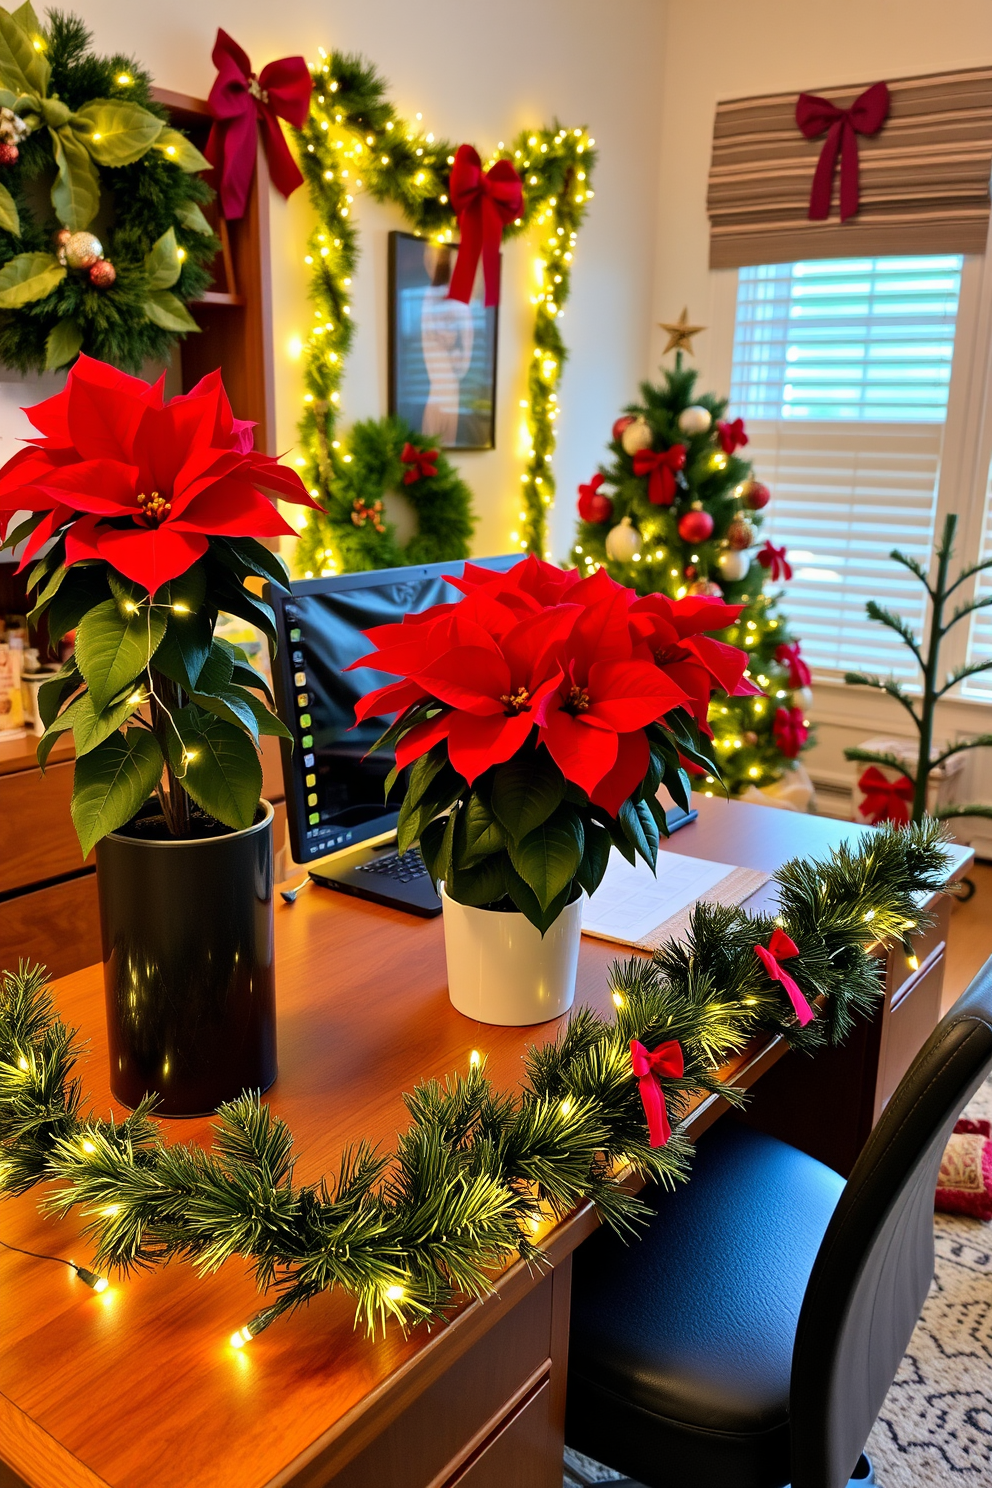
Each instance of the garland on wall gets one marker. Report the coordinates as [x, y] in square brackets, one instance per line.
[354, 140]
[102, 238]
[479, 1175]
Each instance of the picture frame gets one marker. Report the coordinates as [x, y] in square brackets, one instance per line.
[442, 353]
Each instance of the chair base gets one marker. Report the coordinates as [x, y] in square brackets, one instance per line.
[864, 1477]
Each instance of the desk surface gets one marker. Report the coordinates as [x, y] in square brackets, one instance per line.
[139, 1388]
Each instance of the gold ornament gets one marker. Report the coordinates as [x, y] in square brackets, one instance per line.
[637, 436]
[623, 541]
[680, 333]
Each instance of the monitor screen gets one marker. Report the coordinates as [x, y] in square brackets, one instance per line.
[335, 790]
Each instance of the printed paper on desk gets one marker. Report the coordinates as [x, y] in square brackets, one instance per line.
[631, 903]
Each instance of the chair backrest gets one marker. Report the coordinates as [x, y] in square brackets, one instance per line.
[875, 1265]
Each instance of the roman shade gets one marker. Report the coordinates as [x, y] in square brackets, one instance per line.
[924, 177]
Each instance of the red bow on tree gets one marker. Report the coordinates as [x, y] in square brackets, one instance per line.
[789, 731]
[774, 558]
[484, 201]
[732, 435]
[885, 800]
[421, 463]
[649, 1066]
[787, 655]
[237, 99]
[592, 506]
[815, 115]
[780, 948]
[660, 466]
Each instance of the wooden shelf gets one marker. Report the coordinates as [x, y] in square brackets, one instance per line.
[216, 297]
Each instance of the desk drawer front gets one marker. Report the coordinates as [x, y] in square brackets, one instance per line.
[37, 838]
[518, 1456]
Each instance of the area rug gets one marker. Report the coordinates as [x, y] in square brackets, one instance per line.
[935, 1427]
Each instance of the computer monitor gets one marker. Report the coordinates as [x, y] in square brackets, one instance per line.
[335, 791]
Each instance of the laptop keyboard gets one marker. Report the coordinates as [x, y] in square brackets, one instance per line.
[401, 867]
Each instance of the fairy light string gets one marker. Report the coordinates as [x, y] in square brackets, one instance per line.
[354, 141]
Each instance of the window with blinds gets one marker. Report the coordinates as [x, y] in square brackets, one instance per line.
[980, 625]
[842, 370]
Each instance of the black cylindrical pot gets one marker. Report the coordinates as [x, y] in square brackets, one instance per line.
[188, 966]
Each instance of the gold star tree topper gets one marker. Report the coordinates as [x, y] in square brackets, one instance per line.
[680, 334]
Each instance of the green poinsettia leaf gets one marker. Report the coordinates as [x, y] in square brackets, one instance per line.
[23, 66]
[65, 341]
[25, 17]
[76, 188]
[9, 219]
[190, 216]
[526, 791]
[23, 530]
[162, 262]
[480, 834]
[53, 693]
[216, 764]
[58, 726]
[182, 152]
[91, 725]
[112, 783]
[228, 704]
[85, 585]
[112, 648]
[115, 132]
[166, 311]
[28, 277]
[595, 857]
[548, 858]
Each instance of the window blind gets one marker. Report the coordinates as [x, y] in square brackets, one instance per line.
[842, 370]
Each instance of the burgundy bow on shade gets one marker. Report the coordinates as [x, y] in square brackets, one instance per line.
[484, 201]
[816, 116]
[237, 100]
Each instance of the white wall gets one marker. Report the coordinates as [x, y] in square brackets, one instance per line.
[478, 72]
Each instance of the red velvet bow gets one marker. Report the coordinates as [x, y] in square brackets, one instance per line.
[648, 1065]
[592, 506]
[775, 559]
[885, 800]
[787, 654]
[237, 99]
[732, 435]
[484, 201]
[790, 731]
[421, 463]
[815, 115]
[660, 467]
[781, 947]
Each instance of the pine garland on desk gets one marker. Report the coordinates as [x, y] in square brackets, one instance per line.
[479, 1174]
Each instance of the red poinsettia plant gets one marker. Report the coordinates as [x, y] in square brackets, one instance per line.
[541, 714]
[141, 518]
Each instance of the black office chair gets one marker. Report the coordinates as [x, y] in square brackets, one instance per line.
[749, 1339]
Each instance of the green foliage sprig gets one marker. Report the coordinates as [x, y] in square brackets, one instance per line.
[478, 1173]
[121, 171]
[354, 140]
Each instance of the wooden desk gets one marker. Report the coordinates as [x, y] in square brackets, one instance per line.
[139, 1388]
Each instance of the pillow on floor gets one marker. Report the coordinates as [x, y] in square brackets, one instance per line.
[965, 1182]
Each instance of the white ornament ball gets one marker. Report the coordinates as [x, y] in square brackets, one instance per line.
[82, 249]
[637, 436]
[695, 420]
[623, 541]
[733, 565]
[805, 698]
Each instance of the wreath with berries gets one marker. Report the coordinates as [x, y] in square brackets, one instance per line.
[355, 531]
[102, 238]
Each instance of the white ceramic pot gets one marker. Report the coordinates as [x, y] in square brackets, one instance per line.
[502, 970]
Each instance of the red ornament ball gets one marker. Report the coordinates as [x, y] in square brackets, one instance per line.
[706, 588]
[622, 423]
[9, 153]
[103, 274]
[695, 526]
[690, 570]
[756, 495]
[740, 535]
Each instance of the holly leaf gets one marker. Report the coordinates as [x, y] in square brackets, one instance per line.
[162, 262]
[23, 68]
[9, 219]
[548, 858]
[29, 277]
[526, 790]
[189, 213]
[65, 340]
[166, 311]
[216, 764]
[182, 152]
[115, 132]
[112, 783]
[76, 188]
[112, 649]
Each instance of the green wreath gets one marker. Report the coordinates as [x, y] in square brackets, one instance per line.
[353, 532]
[102, 240]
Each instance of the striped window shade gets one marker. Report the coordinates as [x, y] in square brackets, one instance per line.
[924, 177]
[842, 369]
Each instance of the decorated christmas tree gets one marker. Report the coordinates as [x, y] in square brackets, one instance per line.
[677, 510]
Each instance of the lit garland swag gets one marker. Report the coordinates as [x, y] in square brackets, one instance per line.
[354, 140]
[477, 1170]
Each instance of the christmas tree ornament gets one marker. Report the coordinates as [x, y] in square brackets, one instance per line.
[805, 696]
[9, 153]
[662, 468]
[695, 420]
[82, 249]
[623, 541]
[732, 435]
[637, 436]
[623, 422]
[593, 506]
[680, 333]
[695, 526]
[750, 737]
[102, 274]
[776, 561]
[756, 495]
[740, 534]
[733, 565]
[706, 588]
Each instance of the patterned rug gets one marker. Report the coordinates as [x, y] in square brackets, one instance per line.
[935, 1428]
